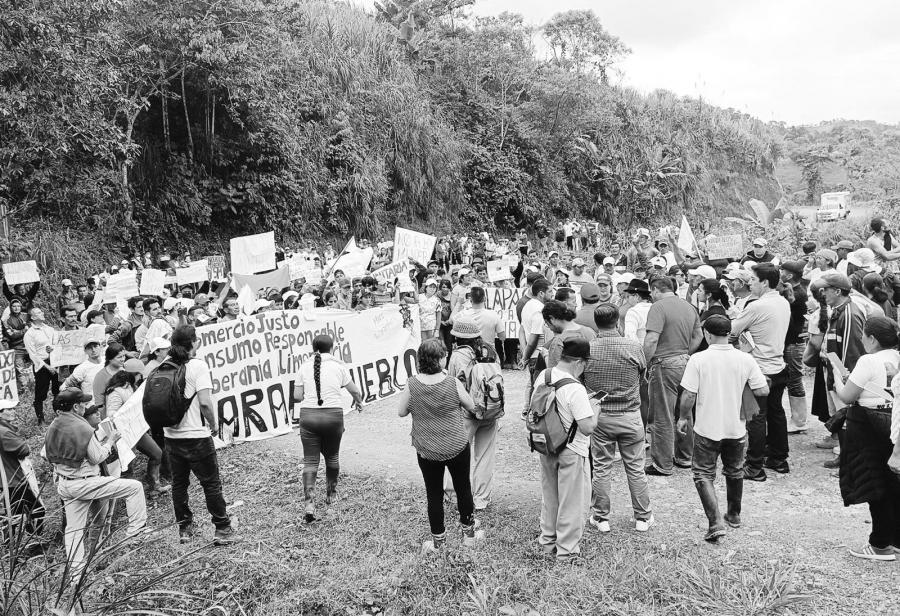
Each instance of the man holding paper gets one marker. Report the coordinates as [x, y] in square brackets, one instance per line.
[38, 341]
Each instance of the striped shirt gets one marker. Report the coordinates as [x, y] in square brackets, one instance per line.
[438, 432]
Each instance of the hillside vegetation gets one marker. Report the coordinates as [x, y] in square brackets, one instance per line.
[156, 122]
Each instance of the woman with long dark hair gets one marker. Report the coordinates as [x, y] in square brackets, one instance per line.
[436, 401]
[874, 288]
[715, 301]
[319, 390]
[865, 476]
[116, 357]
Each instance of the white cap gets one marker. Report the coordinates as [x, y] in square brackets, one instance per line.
[704, 271]
[159, 343]
[578, 262]
[734, 266]
[749, 264]
[760, 241]
[66, 282]
[609, 261]
[431, 281]
[463, 271]
[659, 262]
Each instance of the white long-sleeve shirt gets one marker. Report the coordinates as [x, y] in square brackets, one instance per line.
[36, 340]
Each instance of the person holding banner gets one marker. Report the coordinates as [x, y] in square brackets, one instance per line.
[319, 389]
[25, 293]
[14, 327]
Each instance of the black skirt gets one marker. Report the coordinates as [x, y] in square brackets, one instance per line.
[864, 474]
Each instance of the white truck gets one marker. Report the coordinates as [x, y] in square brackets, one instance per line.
[834, 206]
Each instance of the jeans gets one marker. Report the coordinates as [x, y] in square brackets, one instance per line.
[44, 382]
[320, 433]
[666, 443]
[767, 432]
[78, 496]
[433, 474]
[793, 357]
[197, 455]
[707, 453]
[20, 360]
[564, 493]
[627, 431]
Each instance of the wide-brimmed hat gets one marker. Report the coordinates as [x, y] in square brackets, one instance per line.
[464, 327]
[864, 258]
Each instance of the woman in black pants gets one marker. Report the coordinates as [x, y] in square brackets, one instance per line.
[436, 401]
[319, 391]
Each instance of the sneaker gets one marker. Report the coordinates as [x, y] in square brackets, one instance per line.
[792, 429]
[826, 443]
[600, 524]
[655, 472]
[870, 552]
[778, 467]
[224, 536]
[186, 533]
[680, 464]
[642, 526]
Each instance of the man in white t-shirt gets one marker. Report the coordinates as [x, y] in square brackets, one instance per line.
[531, 330]
[714, 380]
[488, 321]
[565, 476]
[83, 375]
[190, 446]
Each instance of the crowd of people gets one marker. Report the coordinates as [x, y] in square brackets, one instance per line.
[637, 350]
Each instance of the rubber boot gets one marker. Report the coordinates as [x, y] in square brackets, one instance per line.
[309, 497]
[331, 481]
[155, 486]
[707, 492]
[799, 415]
[735, 492]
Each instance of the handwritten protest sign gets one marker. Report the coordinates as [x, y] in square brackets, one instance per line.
[196, 271]
[408, 243]
[389, 273]
[298, 265]
[20, 272]
[724, 246]
[9, 394]
[152, 282]
[130, 423]
[253, 253]
[498, 270]
[216, 265]
[68, 346]
[122, 286]
[313, 276]
[255, 361]
[503, 302]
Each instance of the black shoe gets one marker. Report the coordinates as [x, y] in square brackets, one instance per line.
[652, 470]
[682, 464]
[309, 518]
[779, 467]
[759, 475]
[835, 462]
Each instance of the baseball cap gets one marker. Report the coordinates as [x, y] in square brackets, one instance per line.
[717, 325]
[704, 271]
[578, 262]
[835, 280]
[133, 365]
[742, 275]
[643, 231]
[603, 278]
[66, 282]
[844, 244]
[760, 241]
[576, 348]
[590, 292]
[659, 262]
[609, 261]
[89, 343]
[553, 253]
[67, 398]
[159, 343]
[794, 267]
[431, 282]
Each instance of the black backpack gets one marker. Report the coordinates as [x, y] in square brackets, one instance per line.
[164, 402]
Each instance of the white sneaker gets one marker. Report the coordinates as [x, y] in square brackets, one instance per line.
[601, 525]
[642, 526]
[794, 429]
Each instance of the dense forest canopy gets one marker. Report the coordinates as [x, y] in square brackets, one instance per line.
[151, 120]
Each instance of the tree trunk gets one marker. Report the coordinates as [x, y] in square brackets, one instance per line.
[164, 106]
[187, 122]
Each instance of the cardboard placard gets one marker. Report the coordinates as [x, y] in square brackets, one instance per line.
[253, 253]
[9, 393]
[409, 243]
[216, 264]
[724, 246]
[68, 346]
[122, 286]
[390, 272]
[152, 282]
[498, 270]
[20, 272]
[196, 271]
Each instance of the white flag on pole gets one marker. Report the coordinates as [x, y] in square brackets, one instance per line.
[686, 241]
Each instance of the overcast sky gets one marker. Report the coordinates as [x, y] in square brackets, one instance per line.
[800, 61]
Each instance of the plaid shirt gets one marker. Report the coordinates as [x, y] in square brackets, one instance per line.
[616, 366]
